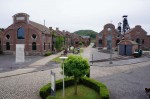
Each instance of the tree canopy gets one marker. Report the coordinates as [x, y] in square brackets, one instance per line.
[90, 33]
[77, 67]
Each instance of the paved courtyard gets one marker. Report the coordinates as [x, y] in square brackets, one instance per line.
[125, 81]
[8, 62]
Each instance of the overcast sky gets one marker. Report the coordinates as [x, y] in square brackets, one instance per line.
[73, 15]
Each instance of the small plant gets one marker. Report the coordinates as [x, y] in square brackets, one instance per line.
[48, 53]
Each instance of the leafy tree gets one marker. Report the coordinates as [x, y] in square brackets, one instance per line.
[77, 67]
[59, 42]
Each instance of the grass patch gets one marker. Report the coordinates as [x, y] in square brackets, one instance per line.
[83, 93]
[81, 50]
[56, 59]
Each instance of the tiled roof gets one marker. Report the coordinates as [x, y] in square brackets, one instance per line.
[42, 28]
[132, 42]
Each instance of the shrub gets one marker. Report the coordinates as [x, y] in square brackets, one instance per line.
[97, 86]
[48, 53]
[138, 53]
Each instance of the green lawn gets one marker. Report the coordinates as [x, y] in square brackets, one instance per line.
[58, 60]
[83, 93]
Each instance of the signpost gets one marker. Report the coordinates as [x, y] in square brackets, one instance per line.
[53, 89]
[20, 57]
[63, 58]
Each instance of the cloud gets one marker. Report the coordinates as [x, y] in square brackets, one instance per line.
[73, 15]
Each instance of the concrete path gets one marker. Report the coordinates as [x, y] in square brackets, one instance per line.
[45, 60]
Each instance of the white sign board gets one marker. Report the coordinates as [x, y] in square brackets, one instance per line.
[20, 18]
[52, 83]
[20, 57]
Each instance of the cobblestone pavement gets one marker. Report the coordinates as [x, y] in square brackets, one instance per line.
[25, 86]
[97, 55]
[7, 62]
[124, 82]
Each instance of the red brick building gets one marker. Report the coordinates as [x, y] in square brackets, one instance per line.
[35, 37]
[0, 40]
[108, 31]
[67, 39]
[139, 35]
[86, 40]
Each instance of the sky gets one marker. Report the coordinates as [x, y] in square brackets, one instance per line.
[73, 15]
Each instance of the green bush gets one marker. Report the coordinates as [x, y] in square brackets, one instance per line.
[138, 53]
[97, 86]
[48, 53]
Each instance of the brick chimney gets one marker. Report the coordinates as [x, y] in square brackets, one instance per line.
[50, 28]
[57, 29]
[63, 31]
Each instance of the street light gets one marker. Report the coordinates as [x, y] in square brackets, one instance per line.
[63, 58]
[109, 45]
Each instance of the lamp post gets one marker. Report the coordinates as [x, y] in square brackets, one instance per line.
[109, 41]
[63, 58]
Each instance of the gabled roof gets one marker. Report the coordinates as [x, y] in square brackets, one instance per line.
[59, 33]
[132, 42]
[132, 29]
[42, 28]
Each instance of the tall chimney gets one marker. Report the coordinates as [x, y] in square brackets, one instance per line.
[50, 28]
[57, 29]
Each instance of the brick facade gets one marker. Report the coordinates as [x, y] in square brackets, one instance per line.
[101, 38]
[139, 35]
[0, 41]
[36, 37]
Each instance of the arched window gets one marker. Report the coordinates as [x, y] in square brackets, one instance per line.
[7, 46]
[49, 46]
[21, 33]
[117, 42]
[100, 42]
[138, 40]
[44, 45]
[143, 41]
[33, 46]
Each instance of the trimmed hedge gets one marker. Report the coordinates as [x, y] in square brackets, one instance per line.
[97, 86]
[45, 90]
